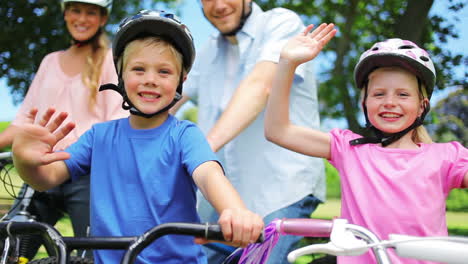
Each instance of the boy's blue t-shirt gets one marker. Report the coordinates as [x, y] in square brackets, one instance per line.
[140, 179]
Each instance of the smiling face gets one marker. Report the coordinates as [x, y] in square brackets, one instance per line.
[151, 73]
[83, 20]
[393, 100]
[225, 15]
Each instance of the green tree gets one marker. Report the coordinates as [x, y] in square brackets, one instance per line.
[361, 23]
[33, 28]
[450, 118]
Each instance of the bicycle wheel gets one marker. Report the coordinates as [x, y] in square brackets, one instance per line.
[53, 260]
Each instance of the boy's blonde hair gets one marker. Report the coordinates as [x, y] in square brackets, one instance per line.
[150, 41]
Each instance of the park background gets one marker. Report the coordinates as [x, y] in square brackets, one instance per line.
[32, 28]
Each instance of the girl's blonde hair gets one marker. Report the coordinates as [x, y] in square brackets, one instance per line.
[150, 41]
[419, 134]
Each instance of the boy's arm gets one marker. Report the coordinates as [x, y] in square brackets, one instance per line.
[278, 127]
[33, 155]
[240, 226]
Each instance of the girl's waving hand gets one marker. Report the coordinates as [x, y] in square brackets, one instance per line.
[307, 45]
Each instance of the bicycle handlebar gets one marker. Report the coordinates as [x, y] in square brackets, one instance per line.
[453, 250]
[351, 240]
[5, 155]
[208, 231]
[133, 244]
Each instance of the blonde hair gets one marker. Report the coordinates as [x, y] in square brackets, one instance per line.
[419, 134]
[150, 41]
[91, 76]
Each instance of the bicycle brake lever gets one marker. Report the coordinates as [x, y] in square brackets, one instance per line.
[342, 243]
[328, 248]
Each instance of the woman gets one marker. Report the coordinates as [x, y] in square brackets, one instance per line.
[69, 81]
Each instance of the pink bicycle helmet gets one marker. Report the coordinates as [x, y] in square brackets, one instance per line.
[400, 53]
[394, 53]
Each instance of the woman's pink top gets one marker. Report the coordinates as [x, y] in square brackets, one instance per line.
[51, 87]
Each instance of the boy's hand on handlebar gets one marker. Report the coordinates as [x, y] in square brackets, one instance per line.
[240, 227]
[308, 44]
[35, 142]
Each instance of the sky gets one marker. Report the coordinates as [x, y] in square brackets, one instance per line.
[200, 28]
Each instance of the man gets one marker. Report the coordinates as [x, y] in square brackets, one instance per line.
[230, 83]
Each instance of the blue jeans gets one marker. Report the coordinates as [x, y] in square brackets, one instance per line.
[301, 209]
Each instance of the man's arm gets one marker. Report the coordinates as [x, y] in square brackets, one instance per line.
[246, 104]
[179, 104]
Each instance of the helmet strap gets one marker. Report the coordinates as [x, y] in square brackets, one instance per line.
[128, 105]
[242, 20]
[80, 44]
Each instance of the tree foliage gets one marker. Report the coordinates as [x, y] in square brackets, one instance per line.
[360, 24]
[450, 118]
[33, 28]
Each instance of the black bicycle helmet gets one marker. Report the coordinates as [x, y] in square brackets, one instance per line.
[394, 53]
[152, 23]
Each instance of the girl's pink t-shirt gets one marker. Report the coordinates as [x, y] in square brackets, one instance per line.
[51, 87]
[396, 191]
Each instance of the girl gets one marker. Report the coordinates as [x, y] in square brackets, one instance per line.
[396, 181]
[69, 80]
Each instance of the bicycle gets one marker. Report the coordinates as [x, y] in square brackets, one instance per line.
[132, 244]
[352, 240]
[18, 247]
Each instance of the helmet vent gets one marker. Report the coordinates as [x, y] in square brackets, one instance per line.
[375, 48]
[406, 47]
[424, 58]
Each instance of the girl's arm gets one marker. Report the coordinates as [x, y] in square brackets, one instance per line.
[278, 127]
[239, 225]
[33, 155]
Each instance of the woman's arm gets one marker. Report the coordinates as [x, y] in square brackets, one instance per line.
[278, 127]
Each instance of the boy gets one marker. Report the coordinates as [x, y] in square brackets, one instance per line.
[145, 168]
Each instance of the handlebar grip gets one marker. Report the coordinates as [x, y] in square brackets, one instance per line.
[214, 233]
[5, 155]
[305, 227]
